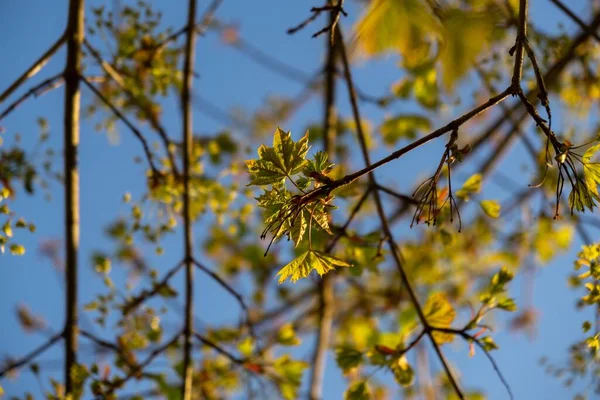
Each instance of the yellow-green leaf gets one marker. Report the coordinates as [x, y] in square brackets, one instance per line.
[287, 335]
[440, 314]
[403, 372]
[465, 35]
[404, 127]
[491, 208]
[471, 186]
[17, 250]
[402, 26]
[311, 260]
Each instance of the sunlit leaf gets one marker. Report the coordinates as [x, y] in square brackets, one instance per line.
[311, 260]
[440, 314]
[357, 391]
[404, 127]
[471, 186]
[491, 208]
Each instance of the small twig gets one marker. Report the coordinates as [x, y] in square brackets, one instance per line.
[154, 123]
[232, 291]
[140, 367]
[149, 156]
[336, 11]
[38, 90]
[31, 355]
[575, 18]
[147, 294]
[34, 69]
[470, 338]
[219, 349]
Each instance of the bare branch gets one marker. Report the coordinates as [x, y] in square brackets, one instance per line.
[34, 69]
[147, 294]
[149, 156]
[38, 90]
[31, 355]
[575, 18]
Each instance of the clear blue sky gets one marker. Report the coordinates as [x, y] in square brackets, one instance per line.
[228, 79]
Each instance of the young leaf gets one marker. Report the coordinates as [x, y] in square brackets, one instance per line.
[357, 391]
[403, 372]
[311, 260]
[491, 208]
[348, 358]
[440, 314]
[285, 159]
[287, 336]
[471, 186]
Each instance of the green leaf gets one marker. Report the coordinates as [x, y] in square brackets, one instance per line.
[404, 127]
[471, 186]
[491, 208]
[311, 260]
[440, 314]
[287, 335]
[285, 159]
[348, 358]
[586, 326]
[403, 372]
[488, 343]
[507, 304]
[357, 391]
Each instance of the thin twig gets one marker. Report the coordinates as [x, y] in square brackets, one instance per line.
[575, 18]
[133, 303]
[38, 90]
[31, 355]
[383, 218]
[148, 114]
[34, 69]
[149, 156]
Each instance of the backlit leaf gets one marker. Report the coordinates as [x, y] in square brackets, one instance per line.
[440, 314]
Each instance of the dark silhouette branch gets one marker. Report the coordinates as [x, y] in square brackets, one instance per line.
[149, 156]
[133, 303]
[383, 218]
[576, 19]
[31, 355]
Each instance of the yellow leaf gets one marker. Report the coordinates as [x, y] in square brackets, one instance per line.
[465, 36]
[440, 314]
[403, 26]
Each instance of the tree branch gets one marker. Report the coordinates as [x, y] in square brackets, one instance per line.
[575, 18]
[31, 355]
[383, 218]
[187, 139]
[38, 90]
[35, 68]
[149, 156]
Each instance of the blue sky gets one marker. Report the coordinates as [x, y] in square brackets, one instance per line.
[229, 79]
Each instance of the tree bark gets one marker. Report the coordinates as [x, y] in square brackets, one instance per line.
[74, 37]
